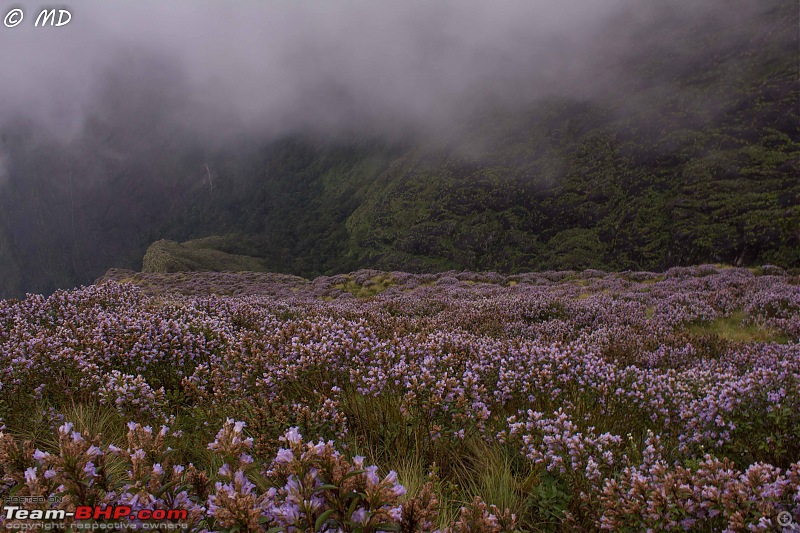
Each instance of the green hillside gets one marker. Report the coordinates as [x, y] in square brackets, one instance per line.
[685, 153]
[705, 173]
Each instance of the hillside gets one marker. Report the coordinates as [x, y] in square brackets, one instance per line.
[687, 152]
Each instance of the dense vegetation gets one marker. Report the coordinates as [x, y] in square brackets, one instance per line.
[692, 157]
[570, 401]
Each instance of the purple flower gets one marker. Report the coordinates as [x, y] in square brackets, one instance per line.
[293, 435]
[359, 516]
[372, 475]
[93, 451]
[39, 455]
[284, 456]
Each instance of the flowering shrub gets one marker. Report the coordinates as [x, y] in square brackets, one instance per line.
[631, 400]
[307, 486]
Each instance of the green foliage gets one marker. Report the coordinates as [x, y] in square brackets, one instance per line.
[369, 288]
[734, 328]
[547, 501]
[170, 256]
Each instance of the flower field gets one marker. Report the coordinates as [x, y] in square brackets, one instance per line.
[555, 401]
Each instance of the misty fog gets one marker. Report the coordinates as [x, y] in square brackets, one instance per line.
[373, 67]
[104, 120]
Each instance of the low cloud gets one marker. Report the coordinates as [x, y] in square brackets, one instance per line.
[282, 65]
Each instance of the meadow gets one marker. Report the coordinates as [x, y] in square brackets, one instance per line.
[385, 401]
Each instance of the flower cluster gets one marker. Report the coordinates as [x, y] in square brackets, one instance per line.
[306, 487]
[583, 373]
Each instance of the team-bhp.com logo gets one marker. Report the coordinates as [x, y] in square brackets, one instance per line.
[114, 517]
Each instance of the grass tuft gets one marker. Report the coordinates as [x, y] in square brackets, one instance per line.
[734, 329]
[371, 287]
